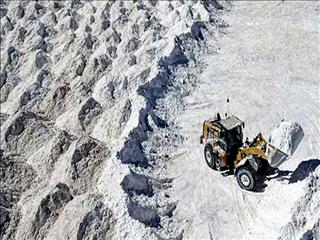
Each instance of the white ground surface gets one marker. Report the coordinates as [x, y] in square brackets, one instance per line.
[268, 65]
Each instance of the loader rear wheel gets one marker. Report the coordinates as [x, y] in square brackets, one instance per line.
[246, 178]
[211, 157]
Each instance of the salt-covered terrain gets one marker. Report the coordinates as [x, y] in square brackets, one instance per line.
[268, 67]
[102, 104]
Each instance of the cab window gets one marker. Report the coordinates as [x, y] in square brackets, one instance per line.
[223, 133]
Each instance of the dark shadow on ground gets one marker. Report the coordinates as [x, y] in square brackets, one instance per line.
[299, 174]
[303, 170]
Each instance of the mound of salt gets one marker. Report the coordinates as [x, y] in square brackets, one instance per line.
[287, 136]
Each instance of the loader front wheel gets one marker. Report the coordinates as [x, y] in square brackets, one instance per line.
[210, 156]
[246, 178]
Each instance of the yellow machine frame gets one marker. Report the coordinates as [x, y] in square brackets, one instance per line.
[257, 147]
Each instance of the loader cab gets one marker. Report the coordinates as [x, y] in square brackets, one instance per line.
[229, 130]
[234, 137]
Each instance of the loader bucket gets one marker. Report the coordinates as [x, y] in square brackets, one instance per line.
[275, 156]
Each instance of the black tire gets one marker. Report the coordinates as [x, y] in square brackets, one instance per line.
[246, 178]
[211, 157]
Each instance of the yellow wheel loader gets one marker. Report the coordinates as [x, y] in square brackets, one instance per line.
[224, 149]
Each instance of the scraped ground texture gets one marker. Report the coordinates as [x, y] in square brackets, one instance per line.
[102, 104]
